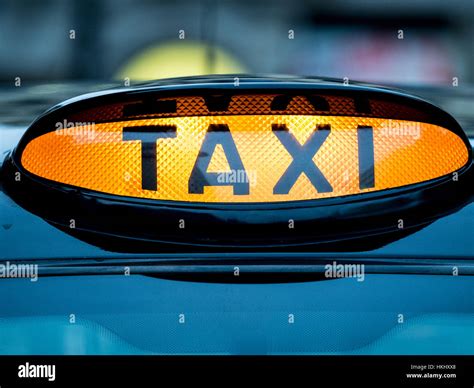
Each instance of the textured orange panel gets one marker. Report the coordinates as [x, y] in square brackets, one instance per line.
[98, 158]
[249, 104]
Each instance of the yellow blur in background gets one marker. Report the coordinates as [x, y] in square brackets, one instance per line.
[178, 59]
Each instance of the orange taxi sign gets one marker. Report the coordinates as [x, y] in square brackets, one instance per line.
[245, 158]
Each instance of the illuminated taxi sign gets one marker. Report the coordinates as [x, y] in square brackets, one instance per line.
[225, 158]
[201, 161]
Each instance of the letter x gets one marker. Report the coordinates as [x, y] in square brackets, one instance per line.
[302, 159]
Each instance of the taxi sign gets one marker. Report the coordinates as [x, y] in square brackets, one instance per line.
[261, 162]
[246, 158]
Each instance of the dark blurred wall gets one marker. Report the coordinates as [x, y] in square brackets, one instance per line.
[357, 39]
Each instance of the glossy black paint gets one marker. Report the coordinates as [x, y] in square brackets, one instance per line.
[366, 220]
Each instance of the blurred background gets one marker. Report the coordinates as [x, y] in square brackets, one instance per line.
[404, 41]
[51, 50]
